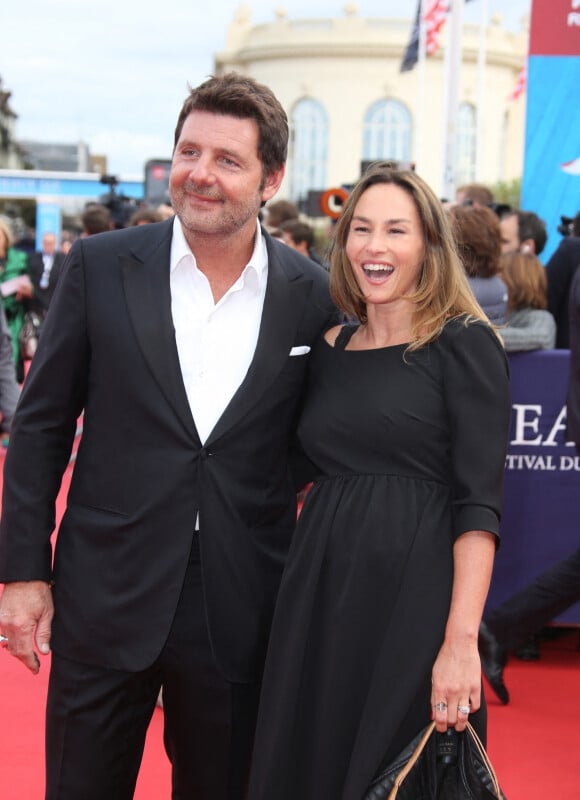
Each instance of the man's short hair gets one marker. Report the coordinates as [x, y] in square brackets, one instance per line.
[476, 193]
[530, 226]
[281, 211]
[96, 218]
[299, 231]
[235, 95]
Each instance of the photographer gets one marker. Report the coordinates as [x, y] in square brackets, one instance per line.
[560, 270]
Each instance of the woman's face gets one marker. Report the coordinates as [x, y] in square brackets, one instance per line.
[385, 244]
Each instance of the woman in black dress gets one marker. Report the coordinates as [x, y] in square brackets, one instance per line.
[406, 423]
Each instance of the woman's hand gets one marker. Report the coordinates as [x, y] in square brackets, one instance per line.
[456, 676]
[25, 288]
[456, 683]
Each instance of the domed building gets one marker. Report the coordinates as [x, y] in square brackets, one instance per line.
[348, 101]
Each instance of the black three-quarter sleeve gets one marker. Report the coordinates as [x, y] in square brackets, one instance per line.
[477, 397]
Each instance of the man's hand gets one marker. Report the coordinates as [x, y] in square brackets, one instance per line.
[26, 612]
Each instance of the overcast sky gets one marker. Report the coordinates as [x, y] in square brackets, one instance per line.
[115, 72]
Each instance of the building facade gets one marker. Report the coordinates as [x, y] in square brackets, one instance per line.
[11, 154]
[348, 102]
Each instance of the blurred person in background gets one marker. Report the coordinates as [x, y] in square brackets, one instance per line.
[165, 210]
[475, 194]
[522, 232]
[529, 326]
[16, 289]
[144, 216]
[96, 218]
[300, 236]
[478, 236]
[560, 270]
[44, 267]
[274, 214]
[573, 402]
[66, 241]
[9, 388]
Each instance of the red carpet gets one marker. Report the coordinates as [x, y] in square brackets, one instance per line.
[534, 742]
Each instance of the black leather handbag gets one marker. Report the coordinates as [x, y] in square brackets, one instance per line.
[439, 766]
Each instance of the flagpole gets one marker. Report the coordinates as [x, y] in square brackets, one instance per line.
[451, 102]
[422, 52]
[481, 65]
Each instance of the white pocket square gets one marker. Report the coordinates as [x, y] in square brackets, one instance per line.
[301, 350]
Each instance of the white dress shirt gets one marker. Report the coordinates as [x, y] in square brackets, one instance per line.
[215, 341]
[47, 262]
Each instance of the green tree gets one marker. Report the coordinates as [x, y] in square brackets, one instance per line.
[508, 192]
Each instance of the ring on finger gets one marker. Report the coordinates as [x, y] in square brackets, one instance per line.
[441, 706]
[464, 709]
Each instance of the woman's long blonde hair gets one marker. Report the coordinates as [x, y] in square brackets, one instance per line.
[443, 291]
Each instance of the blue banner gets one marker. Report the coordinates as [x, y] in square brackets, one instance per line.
[48, 220]
[551, 182]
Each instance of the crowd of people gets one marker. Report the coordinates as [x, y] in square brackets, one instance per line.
[222, 364]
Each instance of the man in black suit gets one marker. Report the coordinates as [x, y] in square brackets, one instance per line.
[554, 590]
[44, 268]
[185, 343]
[560, 270]
[573, 401]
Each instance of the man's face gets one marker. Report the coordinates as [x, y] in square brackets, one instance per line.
[510, 240]
[216, 182]
[49, 244]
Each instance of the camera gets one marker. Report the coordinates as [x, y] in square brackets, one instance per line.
[565, 227]
[120, 206]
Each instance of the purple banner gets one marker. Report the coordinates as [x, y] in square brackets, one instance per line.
[541, 513]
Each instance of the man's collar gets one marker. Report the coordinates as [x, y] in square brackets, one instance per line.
[180, 249]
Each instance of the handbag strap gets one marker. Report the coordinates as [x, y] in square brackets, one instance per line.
[485, 759]
[412, 761]
[421, 746]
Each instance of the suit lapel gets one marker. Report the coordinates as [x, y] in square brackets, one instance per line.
[283, 303]
[146, 282]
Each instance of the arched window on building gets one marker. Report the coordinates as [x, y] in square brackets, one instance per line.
[308, 149]
[387, 132]
[466, 144]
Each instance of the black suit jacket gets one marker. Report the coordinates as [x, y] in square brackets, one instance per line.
[42, 297]
[560, 270]
[141, 474]
[573, 401]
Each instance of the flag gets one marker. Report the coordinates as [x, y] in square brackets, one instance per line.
[520, 85]
[411, 55]
[434, 18]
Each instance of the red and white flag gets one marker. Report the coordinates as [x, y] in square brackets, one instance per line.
[520, 86]
[434, 18]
